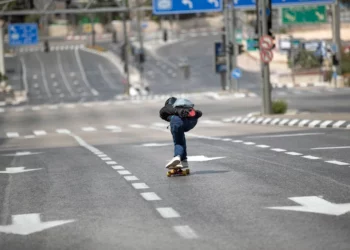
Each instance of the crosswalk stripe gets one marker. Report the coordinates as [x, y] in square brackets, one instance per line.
[12, 134]
[40, 132]
[88, 129]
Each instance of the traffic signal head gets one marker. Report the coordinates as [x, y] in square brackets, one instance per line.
[240, 49]
[230, 48]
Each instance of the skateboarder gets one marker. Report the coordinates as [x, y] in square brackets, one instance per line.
[182, 117]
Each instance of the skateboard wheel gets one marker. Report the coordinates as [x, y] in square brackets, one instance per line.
[168, 174]
[173, 171]
[187, 171]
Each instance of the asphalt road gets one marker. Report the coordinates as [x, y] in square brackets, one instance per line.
[98, 181]
[63, 76]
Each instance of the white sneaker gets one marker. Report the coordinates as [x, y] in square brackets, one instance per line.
[184, 164]
[174, 162]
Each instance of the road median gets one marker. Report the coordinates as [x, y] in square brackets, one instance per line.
[311, 120]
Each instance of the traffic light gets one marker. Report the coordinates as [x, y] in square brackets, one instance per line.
[269, 23]
[230, 48]
[46, 46]
[240, 49]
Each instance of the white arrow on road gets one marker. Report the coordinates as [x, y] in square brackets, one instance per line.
[25, 224]
[202, 158]
[314, 204]
[17, 170]
[22, 153]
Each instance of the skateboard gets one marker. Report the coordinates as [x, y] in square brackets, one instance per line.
[178, 171]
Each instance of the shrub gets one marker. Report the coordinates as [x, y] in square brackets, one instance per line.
[279, 107]
[305, 60]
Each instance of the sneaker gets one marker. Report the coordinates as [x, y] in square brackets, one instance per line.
[184, 164]
[174, 162]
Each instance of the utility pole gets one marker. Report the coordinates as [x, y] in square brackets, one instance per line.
[336, 35]
[2, 53]
[140, 37]
[263, 4]
[227, 35]
[235, 47]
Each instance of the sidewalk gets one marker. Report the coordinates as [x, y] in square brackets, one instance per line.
[311, 120]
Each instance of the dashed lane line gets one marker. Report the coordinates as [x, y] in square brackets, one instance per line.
[12, 134]
[310, 157]
[140, 185]
[150, 196]
[124, 172]
[339, 163]
[131, 178]
[185, 232]
[168, 212]
[278, 149]
[39, 132]
[111, 162]
[88, 129]
[293, 153]
[118, 167]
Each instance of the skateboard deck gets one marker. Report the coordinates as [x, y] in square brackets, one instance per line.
[178, 171]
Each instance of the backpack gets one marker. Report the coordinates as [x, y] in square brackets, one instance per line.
[183, 103]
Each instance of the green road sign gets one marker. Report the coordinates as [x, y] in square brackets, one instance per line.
[304, 14]
[87, 20]
[239, 36]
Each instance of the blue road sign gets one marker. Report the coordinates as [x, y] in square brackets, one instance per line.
[23, 34]
[236, 73]
[250, 4]
[144, 25]
[165, 7]
[220, 57]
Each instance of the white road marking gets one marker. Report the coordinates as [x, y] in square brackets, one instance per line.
[40, 132]
[284, 121]
[117, 167]
[113, 127]
[338, 124]
[124, 172]
[284, 135]
[156, 144]
[69, 106]
[249, 143]
[82, 71]
[88, 129]
[293, 122]
[237, 141]
[262, 146]
[53, 107]
[16, 170]
[150, 196]
[12, 134]
[348, 127]
[278, 149]
[185, 232]
[111, 162]
[303, 123]
[140, 185]
[136, 126]
[167, 212]
[43, 73]
[24, 153]
[101, 154]
[310, 157]
[339, 163]
[63, 131]
[275, 121]
[131, 178]
[266, 121]
[106, 159]
[325, 124]
[226, 139]
[65, 80]
[342, 147]
[293, 153]
[29, 136]
[36, 108]
[107, 80]
[314, 123]
[24, 74]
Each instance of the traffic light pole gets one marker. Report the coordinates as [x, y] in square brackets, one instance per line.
[139, 32]
[227, 35]
[265, 66]
[235, 48]
[126, 51]
[336, 35]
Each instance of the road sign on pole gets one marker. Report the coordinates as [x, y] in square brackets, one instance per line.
[220, 57]
[236, 73]
[304, 14]
[23, 34]
[266, 56]
[250, 4]
[165, 7]
[266, 42]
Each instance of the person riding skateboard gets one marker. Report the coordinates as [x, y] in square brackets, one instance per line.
[182, 117]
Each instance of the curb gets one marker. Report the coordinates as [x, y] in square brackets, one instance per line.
[290, 122]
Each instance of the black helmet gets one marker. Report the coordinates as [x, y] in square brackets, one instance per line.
[171, 101]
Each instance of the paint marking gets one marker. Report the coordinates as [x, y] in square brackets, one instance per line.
[249, 143]
[275, 121]
[140, 185]
[112, 127]
[339, 163]
[150, 196]
[314, 123]
[293, 122]
[36, 108]
[131, 178]
[88, 129]
[106, 159]
[293, 153]
[167, 212]
[136, 126]
[278, 149]
[262, 146]
[310, 157]
[338, 124]
[117, 167]
[284, 121]
[111, 162]
[29, 136]
[330, 148]
[12, 134]
[237, 141]
[53, 107]
[185, 232]
[40, 132]
[63, 131]
[123, 172]
[325, 124]
[226, 139]
[99, 154]
[303, 123]
[43, 73]
[284, 135]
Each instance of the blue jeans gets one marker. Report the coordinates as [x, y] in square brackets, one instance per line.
[178, 128]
